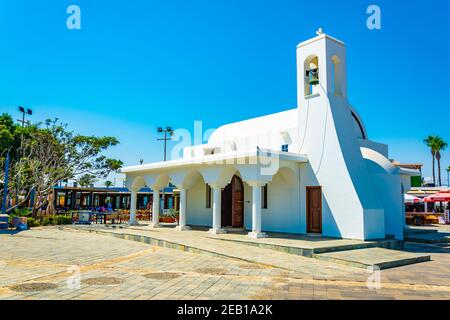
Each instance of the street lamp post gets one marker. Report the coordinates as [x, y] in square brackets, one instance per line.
[5, 192]
[167, 130]
[24, 112]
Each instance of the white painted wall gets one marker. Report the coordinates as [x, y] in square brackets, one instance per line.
[196, 212]
[331, 142]
[283, 210]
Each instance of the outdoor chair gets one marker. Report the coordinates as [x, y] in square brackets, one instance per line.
[113, 218]
[124, 217]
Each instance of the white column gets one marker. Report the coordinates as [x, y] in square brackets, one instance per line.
[133, 204]
[256, 213]
[182, 217]
[217, 211]
[426, 206]
[155, 208]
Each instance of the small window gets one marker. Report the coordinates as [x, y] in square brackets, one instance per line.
[264, 197]
[208, 196]
[285, 148]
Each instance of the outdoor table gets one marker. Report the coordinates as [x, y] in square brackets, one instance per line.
[102, 216]
[80, 213]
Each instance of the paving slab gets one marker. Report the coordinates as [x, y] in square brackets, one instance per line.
[42, 255]
[199, 242]
[233, 246]
[374, 257]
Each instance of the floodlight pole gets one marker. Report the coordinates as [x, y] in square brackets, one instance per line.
[165, 139]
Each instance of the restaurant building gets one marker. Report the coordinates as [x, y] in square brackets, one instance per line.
[79, 198]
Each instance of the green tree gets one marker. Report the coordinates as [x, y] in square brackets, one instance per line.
[49, 153]
[431, 142]
[448, 176]
[441, 145]
[108, 184]
[11, 136]
[87, 180]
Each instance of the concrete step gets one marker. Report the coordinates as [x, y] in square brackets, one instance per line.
[414, 231]
[436, 237]
[373, 258]
[312, 249]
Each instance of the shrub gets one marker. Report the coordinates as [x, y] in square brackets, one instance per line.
[48, 221]
[22, 212]
[32, 222]
[62, 220]
[173, 213]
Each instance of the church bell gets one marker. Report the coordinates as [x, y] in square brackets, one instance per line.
[313, 75]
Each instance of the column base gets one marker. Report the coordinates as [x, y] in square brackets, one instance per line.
[257, 235]
[154, 225]
[182, 228]
[133, 223]
[217, 231]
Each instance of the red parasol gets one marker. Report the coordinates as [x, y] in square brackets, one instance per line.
[443, 196]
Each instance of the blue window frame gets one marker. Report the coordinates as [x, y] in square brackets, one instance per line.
[285, 148]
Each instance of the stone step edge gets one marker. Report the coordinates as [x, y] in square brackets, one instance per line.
[172, 245]
[309, 253]
[408, 232]
[381, 266]
[432, 241]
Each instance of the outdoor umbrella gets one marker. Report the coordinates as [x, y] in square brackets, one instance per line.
[411, 199]
[443, 196]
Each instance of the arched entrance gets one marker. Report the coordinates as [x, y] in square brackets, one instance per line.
[233, 204]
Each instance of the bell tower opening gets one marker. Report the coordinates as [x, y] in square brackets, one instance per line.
[311, 77]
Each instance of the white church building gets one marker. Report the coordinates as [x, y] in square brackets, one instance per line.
[312, 169]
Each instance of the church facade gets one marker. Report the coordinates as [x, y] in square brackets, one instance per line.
[312, 169]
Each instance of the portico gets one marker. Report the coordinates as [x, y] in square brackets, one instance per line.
[208, 180]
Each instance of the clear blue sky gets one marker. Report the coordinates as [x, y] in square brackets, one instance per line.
[139, 64]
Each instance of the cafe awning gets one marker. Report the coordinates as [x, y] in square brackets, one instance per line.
[411, 199]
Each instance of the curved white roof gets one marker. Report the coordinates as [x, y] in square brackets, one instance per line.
[270, 123]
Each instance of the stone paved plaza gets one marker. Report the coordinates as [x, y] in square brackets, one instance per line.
[44, 263]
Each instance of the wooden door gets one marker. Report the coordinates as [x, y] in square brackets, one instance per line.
[314, 209]
[237, 202]
[227, 206]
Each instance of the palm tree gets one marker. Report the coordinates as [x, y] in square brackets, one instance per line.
[448, 176]
[431, 142]
[87, 180]
[440, 146]
[108, 184]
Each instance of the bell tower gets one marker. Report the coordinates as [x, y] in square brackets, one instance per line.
[328, 137]
[321, 67]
